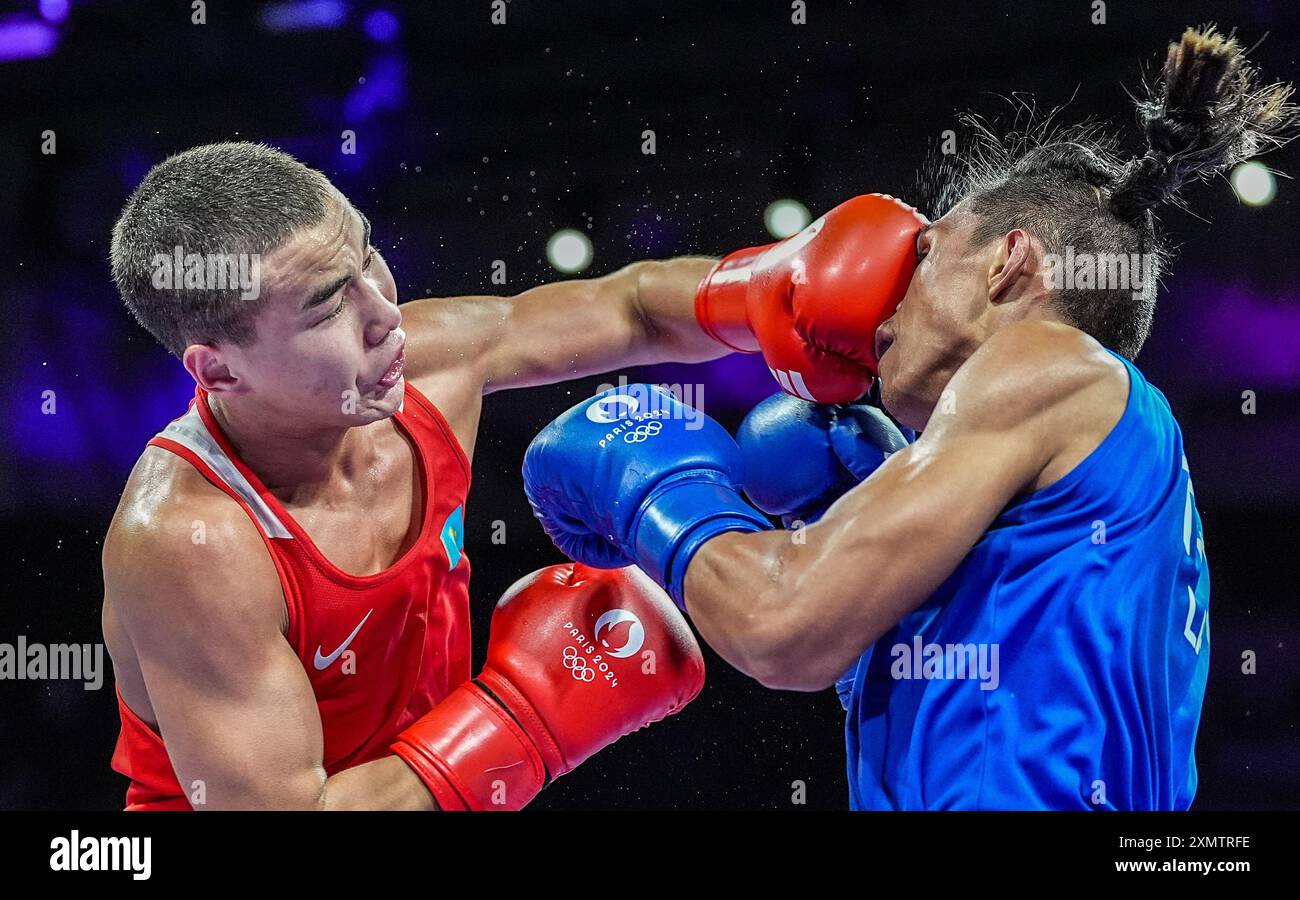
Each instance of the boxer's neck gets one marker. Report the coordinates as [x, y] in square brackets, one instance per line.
[295, 462]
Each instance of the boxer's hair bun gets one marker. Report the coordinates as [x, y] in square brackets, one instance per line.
[1203, 113]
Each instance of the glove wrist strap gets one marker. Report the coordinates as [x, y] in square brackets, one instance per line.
[678, 518]
[720, 301]
[468, 751]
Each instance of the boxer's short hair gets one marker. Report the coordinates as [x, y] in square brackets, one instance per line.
[225, 198]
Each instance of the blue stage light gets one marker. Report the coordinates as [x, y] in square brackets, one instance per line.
[303, 15]
[381, 25]
[24, 38]
[54, 11]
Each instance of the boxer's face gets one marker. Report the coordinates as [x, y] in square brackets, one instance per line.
[328, 337]
[948, 311]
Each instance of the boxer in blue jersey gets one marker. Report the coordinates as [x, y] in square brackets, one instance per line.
[1015, 605]
[1063, 663]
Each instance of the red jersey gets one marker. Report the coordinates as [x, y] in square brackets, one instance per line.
[380, 650]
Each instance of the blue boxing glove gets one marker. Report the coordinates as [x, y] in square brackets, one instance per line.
[801, 457]
[633, 475]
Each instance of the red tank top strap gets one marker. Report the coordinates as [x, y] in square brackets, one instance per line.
[425, 405]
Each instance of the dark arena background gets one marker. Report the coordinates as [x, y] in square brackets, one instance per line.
[469, 145]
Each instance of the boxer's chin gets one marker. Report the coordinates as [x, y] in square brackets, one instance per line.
[888, 398]
[901, 405]
[885, 370]
[379, 403]
[389, 401]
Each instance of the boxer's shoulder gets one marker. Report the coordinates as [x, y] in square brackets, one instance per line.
[1045, 389]
[175, 536]
[460, 402]
[1045, 371]
[164, 488]
[189, 589]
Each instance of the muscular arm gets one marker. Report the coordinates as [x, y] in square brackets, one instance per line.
[641, 314]
[1023, 411]
[231, 699]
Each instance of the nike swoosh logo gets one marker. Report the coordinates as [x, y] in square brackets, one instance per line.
[324, 662]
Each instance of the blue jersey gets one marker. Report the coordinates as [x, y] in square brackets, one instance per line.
[1063, 664]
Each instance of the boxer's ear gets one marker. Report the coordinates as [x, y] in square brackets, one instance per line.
[209, 368]
[1014, 257]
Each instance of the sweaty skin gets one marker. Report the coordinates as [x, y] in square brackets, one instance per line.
[1009, 400]
[197, 632]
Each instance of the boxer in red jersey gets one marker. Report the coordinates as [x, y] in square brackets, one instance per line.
[286, 596]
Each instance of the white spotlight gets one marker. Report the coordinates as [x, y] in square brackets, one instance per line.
[569, 251]
[785, 217]
[1254, 183]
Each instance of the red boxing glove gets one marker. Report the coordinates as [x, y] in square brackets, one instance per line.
[812, 302]
[577, 658]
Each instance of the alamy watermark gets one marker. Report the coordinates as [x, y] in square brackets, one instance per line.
[84, 853]
[639, 401]
[181, 271]
[1135, 272]
[23, 661]
[920, 661]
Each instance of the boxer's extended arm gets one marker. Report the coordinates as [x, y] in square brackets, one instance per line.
[641, 314]
[1024, 410]
[230, 697]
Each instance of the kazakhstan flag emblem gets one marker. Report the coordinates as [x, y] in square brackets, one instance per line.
[453, 536]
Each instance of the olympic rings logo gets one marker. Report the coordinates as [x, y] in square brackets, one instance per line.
[577, 665]
[643, 432]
